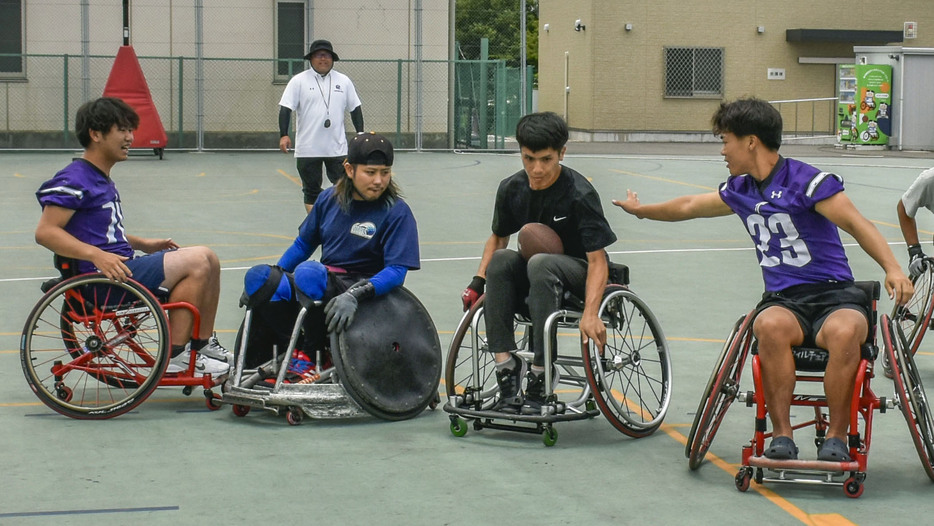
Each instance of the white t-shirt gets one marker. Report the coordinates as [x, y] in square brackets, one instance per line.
[316, 99]
[920, 193]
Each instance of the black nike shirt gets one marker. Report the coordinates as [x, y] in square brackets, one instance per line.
[570, 206]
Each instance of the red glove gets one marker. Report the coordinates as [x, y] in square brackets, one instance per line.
[473, 292]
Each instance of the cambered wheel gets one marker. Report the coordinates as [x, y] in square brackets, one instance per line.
[721, 390]
[105, 343]
[914, 317]
[475, 380]
[909, 394]
[631, 378]
[240, 410]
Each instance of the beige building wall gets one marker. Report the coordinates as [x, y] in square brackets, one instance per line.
[616, 78]
[242, 95]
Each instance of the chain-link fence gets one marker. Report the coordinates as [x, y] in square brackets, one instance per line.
[437, 96]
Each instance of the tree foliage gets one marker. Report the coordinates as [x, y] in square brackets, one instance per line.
[498, 21]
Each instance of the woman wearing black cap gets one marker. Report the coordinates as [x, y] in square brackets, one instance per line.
[319, 97]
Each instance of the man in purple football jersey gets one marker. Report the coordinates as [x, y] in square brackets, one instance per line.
[792, 212]
[82, 219]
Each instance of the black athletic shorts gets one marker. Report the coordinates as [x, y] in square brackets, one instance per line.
[812, 303]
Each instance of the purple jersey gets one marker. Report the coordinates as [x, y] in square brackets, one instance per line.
[795, 244]
[98, 218]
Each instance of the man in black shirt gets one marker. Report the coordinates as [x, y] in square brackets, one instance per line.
[543, 192]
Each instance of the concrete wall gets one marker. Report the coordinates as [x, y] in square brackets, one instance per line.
[617, 77]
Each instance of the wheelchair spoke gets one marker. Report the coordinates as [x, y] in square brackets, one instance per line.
[632, 376]
[88, 356]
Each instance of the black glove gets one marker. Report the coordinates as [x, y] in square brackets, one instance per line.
[916, 261]
[473, 292]
[340, 311]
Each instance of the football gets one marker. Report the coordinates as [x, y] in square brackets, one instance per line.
[536, 238]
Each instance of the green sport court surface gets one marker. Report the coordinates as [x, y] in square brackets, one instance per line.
[171, 461]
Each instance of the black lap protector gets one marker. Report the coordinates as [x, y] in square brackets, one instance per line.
[389, 359]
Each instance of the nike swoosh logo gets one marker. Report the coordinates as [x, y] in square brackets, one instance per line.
[199, 366]
[562, 218]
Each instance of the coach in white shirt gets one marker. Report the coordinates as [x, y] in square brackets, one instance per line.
[319, 97]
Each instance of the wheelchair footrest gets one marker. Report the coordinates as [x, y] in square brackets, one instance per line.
[482, 414]
[323, 401]
[813, 467]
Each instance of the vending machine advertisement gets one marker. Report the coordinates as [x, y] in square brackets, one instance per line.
[874, 103]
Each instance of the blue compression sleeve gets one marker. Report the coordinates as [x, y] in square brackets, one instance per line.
[295, 254]
[389, 278]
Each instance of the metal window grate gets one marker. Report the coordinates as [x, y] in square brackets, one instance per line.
[693, 72]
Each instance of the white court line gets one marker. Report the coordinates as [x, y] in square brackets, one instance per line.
[475, 258]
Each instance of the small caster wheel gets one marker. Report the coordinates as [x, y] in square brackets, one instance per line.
[742, 479]
[435, 402]
[187, 390]
[853, 487]
[590, 405]
[759, 476]
[64, 393]
[477, 425]
[294, 416]
[549, 436]
[241, 410]
[458, 427]
[212, 400]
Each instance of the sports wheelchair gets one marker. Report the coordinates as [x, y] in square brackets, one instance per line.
[386, 364]
[629, 382]
[93, 348]
[723, 388]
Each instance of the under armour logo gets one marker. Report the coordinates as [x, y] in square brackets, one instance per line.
[776, 195]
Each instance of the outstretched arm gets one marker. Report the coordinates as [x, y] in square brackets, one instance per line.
[677, 209]
[842, 212]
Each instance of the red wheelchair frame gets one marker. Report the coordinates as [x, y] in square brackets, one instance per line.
[93, 348]
[724, 387]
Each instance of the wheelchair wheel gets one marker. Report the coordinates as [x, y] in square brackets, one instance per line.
[914, 318]
[95, 349]
[389, 359]
[721, 390]
[476, 382]
[631, 379]
[910, 394]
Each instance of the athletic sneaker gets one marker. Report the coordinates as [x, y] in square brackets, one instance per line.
[535, 391]
[203, 365]
[215, 350]
[301, 370]
[510, 384]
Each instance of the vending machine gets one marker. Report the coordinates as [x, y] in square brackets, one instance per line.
[846, 104]
[873, 104]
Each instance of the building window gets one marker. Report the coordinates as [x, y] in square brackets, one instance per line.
[693, 72]
[11, 39]
[290, 39]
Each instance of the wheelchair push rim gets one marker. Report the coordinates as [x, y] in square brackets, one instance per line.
[914, 318]
[910, 395]
[722, 389]
[97, 357]
[473, 382]
[631, 379]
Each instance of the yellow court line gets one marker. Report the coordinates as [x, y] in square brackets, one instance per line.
[832, 519]
[290, 177]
